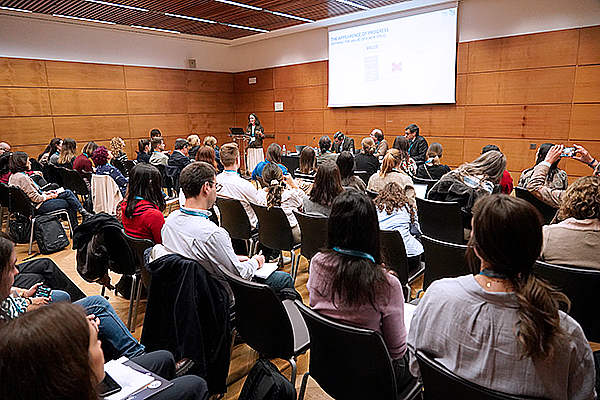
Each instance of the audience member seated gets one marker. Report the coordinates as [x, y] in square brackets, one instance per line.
[395, 213]
[144, 149]
[349, 283]
[417, 145]
[67, 154]
[155, 133]
[211, 141]
[4, 148]
[307, 165]
[4, 169]
[540, 172]
[143, 206]
[469, 182]
[408, 164]
[506, 183]
[342, 142]
[52, 149]
[391, 172]
[325, 154]
[44, 202]
[277, 194]
[381, 144]
[194, 142]
[345, 163]
[366, 160]
[60, 351]
[327, 186]
[179, 158]
[83, 163]
[556, 177]
[189, 232]
[575, 240]
[158, 156]
[273, 156]
[101, 158]
[433, 168]
[207, 154]
[233, 185]
[116, 148]
[502, 328]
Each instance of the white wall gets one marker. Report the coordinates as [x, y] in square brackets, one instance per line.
[477, 19]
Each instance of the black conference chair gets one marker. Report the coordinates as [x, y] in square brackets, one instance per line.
[141, 276]
[443, 260]
[119, 165]
[363, 175]
[350, 363]
[394, 257]
[291, 163]
[19, 203]
[581, 287]
[274, 232]
[4, 202]
[441, 383]
[441, 220]
[128, 165]
[166, 181]
[51, 174]
[74, 181]
[548, 212]
[421, 181]
[235, 221]
[372, 194]
[274, 328]
[314, 233]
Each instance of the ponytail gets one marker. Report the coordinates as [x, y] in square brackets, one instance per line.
[274, 192]
[390, 160]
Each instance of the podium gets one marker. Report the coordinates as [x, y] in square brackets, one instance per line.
[242, 141]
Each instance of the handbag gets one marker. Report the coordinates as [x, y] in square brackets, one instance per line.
[19, 228]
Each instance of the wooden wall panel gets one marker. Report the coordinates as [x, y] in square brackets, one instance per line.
[202, 102]
[585, 122]
[87, 102]
[264, 80]
[28, 130]
[361, 121]
[462, 58]
[309, 74]
[168, 124]
[21, 72]
[91, 128]
[286, 96]
[24, 102]
[587, 84]
[155, 78]
[517, 151]
[432, 120]
[575, 168]
[308, 98]
[157, 102]
[589, 46]
[284, 122]
[335, 119]
[219, 123]
[308, 122]
[205, 81]
[197, 124]
[453, 149]
[267, 120]
[263, 102]
[81, 75]
[461, 90]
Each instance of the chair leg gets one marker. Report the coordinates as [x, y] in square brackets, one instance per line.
[69, 224]
[131, 302]
[292, 362]
[294, 267]
[303, 386]
[31, 235]
[137, 301]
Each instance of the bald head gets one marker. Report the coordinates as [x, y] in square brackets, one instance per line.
[4, 147]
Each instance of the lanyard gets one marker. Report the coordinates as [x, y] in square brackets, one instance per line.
[354, 253]
[196, 213]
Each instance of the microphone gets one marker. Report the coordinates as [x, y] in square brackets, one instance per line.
[311, 141]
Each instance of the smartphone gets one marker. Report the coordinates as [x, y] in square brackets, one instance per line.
[108, 386]
[42, 291]
[568, 152]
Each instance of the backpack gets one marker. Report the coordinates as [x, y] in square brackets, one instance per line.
[50, 234]
[19, 228]
[265, 382]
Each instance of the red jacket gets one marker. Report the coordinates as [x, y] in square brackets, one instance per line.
[146, 222]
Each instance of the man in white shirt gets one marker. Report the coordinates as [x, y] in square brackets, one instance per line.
[189, 232]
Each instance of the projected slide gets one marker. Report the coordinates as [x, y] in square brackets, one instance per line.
[409, 60]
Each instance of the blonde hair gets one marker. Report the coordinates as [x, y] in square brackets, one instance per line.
[581, 200]
[368, 146]
[210, 141]
[193, 140]
[490, 166]
[116, 145]
[391, 159]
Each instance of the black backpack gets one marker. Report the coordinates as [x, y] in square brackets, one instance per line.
[265, 382]
[50, 234]
[19, 228]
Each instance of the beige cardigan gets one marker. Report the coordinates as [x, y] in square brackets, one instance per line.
[24, 181]
[572, 242]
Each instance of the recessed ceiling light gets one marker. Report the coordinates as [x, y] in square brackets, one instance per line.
[234, 3]
[154, 29]
[84, 19]
[14, 9]
[106, 3]
[208, 21]
[353, 4]
[247, 28]
[289, 16]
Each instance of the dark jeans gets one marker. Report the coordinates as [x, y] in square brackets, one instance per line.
[46, 271]
[402, 372]
[161, 362]
[66, 200]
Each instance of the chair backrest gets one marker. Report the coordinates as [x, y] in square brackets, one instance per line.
[62, 171]
[129, 164]
[4, 195]
[234, 218]
[363, 175]
[139, 246]
[314, 233]
[121, 255]
[119, 165]
[421, 181]
[19, 202]
[581, 287]
[74, 181]
[441, 220]
[372, 194]
[52, 175]
[443, 260]
[273, 228]
[348, 362]
[291, 163]
[441, 383]
[260, 318]
[394, 253]
[548, 212]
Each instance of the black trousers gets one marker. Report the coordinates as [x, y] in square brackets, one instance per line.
[46, 271]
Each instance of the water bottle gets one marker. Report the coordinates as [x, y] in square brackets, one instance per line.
[284, 152]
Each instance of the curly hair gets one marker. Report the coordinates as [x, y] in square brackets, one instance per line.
[100, 156]
[116, 145]
[581, 200]
[392, 198]
[273, 177]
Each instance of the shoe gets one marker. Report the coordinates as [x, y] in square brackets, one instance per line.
[286, 260]
[183, 366]
[85, 214]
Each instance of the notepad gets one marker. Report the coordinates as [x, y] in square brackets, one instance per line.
[129, 379]
[266, 270]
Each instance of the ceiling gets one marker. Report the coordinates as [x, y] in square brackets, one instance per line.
[223, 19]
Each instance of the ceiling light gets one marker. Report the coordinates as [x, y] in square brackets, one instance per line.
[290, 16]
[14, 9]
[106, 3]
[208, 21]
[154, 29]
[234, 3]
[353, 4]
[247, 28]
[84, 19]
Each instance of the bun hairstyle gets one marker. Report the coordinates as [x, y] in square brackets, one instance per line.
[368, 146]
[507, 234]
[273, 177]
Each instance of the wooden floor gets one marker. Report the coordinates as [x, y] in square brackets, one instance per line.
[243, 357]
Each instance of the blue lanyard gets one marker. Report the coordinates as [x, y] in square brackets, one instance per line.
[411, 145]
[354, 253]
[196, 213]
[138, 198]
[39, 189]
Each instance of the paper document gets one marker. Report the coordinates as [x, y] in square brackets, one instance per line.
[266, 270]
[129, 379]
[409, 310]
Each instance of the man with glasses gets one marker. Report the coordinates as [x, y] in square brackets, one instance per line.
[189, 232]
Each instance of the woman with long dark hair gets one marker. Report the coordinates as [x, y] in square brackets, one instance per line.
[327, 186]
[502, 328]
[345, 163]
[556, 177]
[348, 282]
[307, 165]
[143, 206]
[256, 132]
[407, 165]
[273, 157]
[50, 154]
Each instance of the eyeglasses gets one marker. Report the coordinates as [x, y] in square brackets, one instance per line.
[217, 184]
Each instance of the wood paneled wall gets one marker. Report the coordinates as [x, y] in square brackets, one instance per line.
[41, 99]
[510, 91]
